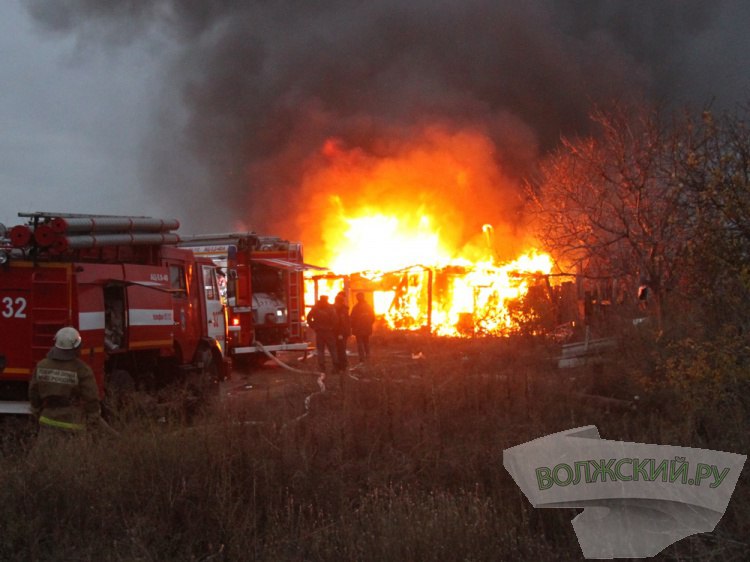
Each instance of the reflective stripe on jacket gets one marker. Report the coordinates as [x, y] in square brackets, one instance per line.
[44, 420]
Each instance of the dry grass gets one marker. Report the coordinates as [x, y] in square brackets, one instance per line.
[403, 464]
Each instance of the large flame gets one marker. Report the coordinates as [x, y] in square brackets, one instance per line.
[414, 283]
[411, 231]
[385, 243]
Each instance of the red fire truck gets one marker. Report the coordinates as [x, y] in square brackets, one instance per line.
[146, 309]
[264, 290]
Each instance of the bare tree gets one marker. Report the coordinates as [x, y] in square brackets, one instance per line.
[614, 206]
[717, 174]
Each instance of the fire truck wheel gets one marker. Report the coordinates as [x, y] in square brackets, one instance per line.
[210, 371]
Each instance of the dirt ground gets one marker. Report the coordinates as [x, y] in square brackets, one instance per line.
[282, 387]
[249, 392]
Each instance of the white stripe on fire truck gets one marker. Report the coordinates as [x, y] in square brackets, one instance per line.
[91, 320]
[150, 317]
[138, 317]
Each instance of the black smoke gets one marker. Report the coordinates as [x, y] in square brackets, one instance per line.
[256, 87]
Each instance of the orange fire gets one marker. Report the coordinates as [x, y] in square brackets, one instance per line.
[414, 283]
[411, 231]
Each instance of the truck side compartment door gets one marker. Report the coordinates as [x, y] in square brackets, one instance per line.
[215, 311]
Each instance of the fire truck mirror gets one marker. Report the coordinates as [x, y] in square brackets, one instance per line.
[233, 274]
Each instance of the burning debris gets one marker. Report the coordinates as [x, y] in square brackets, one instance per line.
[454, 298]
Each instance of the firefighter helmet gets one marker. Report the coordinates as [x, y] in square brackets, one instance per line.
[67, 338]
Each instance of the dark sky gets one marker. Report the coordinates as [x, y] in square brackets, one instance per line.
[210, 110]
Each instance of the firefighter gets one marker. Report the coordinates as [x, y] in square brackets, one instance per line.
[362, 318]
[343, 331]
[323, 320]
[62, 391]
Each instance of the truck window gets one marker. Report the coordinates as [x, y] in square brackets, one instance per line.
[209, 284]
[177, 279]
[268, 280]
[231, 288]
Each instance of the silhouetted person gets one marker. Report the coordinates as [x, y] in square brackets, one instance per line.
[362, 318]
[323, 319]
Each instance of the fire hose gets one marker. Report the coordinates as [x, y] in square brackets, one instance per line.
[321, 375]
[309, 397]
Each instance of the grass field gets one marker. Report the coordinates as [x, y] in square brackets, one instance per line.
[403, 462]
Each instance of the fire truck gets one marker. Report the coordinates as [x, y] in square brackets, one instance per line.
[148, 311]
[264, 280]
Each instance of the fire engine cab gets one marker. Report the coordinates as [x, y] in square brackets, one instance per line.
[147, 310]
[264, 294]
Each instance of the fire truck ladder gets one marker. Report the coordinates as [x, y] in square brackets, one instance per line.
[47, 318]
[295, 314]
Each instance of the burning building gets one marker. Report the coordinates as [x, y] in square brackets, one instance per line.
[452, 300]
[412, 231]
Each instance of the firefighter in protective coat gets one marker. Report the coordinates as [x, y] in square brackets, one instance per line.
[362, 318]
[323, 319]
[62, 391]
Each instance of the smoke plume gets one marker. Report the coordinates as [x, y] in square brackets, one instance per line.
[253, 90]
